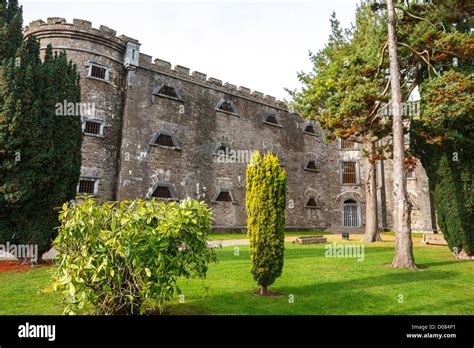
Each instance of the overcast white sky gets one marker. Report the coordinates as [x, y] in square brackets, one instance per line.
[257, 44]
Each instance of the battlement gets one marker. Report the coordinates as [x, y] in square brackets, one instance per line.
[57, 26]
[184, 73]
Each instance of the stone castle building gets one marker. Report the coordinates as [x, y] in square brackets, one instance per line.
[158, 131]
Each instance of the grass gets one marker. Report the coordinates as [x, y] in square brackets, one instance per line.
[233, 236]
[414, 234]
[318, 284]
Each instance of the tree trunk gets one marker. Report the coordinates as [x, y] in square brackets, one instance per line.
[402, 209]
[264, 290]
[372, 233]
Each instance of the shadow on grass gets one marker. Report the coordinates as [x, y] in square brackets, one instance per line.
[351, 296]
[294, 252]
[426, 265]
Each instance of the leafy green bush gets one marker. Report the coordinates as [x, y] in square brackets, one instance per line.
[265, 202]
[125, 258]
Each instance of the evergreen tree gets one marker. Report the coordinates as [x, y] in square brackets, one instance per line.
[265, 203]
[443, 133]
[39, 151]
[346, 90]
[13, 29]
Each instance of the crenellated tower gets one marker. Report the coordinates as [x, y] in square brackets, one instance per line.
[103, 60]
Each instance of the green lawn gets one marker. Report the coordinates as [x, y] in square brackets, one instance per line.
[232, 236]
[319, 285]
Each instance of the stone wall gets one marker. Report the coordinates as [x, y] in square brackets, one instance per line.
[129, 166]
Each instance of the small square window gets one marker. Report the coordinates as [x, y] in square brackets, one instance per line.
[93, 127]
[86, 186]
[98, 72]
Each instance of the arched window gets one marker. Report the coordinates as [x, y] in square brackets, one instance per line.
[350, 213]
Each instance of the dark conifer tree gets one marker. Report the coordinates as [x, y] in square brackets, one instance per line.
[39, 151]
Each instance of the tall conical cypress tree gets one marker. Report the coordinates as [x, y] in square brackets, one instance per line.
[265, 202]
[39, 163]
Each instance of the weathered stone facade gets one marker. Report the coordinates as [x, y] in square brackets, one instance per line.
[124, 161]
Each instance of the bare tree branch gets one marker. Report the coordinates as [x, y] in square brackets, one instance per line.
[420, 54]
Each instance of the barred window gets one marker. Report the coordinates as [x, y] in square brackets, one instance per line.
[346, 144]
[162, 192]
[349, 174]
[165, 140]
[168, 91]
[350, 211]
[92, 127]
[86, 186]
[98, 72]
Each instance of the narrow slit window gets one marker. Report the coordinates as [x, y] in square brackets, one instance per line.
[165, 140]
[86, 186]
[311, 165]
[162, 192]
[224, 196]
[92, 127]
[98, 72]
[349, 174]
